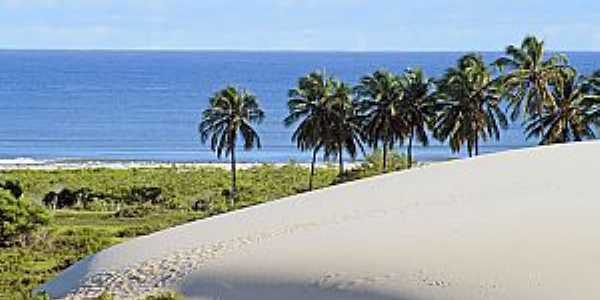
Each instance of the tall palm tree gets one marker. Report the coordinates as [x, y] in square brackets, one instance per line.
[344, 121]
[417, 107]
[307, 106]
[379, 95]
[577, 109]
[468, 103]
[230, 115]
[528, 75]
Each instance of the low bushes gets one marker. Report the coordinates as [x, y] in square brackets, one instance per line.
[71, 236]
[144, 194]
[14, 187]
[19, 218]
[106, 296]
[373, 165]
[82, 198]
[137, 211]
[177, 188]
[85, 198]
[164, 296]
[109, 206]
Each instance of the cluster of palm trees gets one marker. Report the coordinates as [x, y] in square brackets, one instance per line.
[464, 107]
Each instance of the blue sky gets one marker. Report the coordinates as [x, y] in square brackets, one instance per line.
[353, 25]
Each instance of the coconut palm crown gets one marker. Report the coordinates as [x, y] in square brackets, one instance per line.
[418, 108]
[379, 96]
[468, 103]
[576, 111]
[345, 134]
[308, 107]
[228, 118]
[528, 75]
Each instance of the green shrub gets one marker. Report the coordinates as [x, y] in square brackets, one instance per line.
[373, 165]
[134, 231]
[75, 234]
[67, 198]
[177, 203]
[217, 207]
[106, 296]
[137, 211]
[164, 296]
[84, 243]
[25, 294]
[144, 195]
[97, 205]
[19, 218]
[14, 187]
[41, 296]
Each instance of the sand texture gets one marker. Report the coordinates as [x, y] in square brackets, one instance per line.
[522, 224]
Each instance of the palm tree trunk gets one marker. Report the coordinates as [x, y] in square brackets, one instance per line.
[385, 151]
[312, 169]
[409, 149]
[476, 145]
[233, 177]
[341, 162]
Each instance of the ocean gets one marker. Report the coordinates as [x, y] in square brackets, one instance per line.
[146, 105]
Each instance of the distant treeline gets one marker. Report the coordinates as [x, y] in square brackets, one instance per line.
[461, 108]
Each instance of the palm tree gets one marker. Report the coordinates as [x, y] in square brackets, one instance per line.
[345, 124]
[417, 107]
[577, 108]
[468, 104]
[307, 105]
[529, 75]
[379, 96]
[230, 115]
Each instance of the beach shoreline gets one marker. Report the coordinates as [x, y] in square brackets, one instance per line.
[120, 165]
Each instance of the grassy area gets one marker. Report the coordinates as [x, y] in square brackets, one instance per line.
[73, 235]
[76, 233]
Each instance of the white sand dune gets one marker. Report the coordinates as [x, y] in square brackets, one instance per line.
[516, 225]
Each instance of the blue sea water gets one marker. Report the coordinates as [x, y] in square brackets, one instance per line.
[145, 105]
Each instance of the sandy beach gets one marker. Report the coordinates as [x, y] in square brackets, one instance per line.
[515, 225]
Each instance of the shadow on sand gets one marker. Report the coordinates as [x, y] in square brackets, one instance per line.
[203, 287]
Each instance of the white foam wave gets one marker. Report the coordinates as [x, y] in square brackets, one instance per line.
[22, 161]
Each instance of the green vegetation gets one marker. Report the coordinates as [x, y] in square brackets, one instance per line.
[418, 108]
[469, 102]
[308, 106]
[345, 130]
[380, 94]
[72, 236]
[395, 108]
[327, 116]
[574, 115]
[464, 107]
[19, 218]
[110, 206]
[93, 209]
[559, 105]
[164, 296]
[106, 296]
[229, 117]
[14, 187]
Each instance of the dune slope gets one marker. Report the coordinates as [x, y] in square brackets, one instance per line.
[516, 225]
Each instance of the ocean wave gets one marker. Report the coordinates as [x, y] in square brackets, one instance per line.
[22, 161]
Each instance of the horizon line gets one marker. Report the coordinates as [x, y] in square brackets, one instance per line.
[276, 50]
